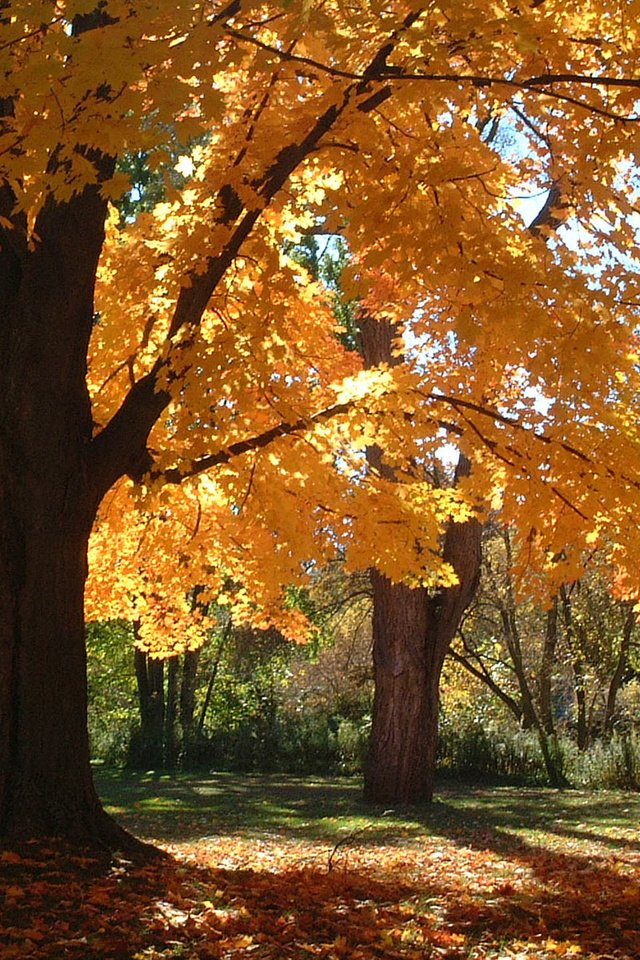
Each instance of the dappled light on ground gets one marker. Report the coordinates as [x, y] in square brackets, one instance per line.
[470, 878]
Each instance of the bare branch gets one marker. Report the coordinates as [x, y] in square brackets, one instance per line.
[461, 406]
[542, 84]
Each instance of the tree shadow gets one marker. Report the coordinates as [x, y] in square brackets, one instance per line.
[59, 905]
[570, 815]
[190, 807]
[587, 899]
[185, 808]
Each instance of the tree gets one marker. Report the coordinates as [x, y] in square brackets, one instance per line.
[557, 669]
[413, 627]
[499, 647]
[600, 641]
[183, 359]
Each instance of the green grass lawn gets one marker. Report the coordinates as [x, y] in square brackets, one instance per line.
[187, 808]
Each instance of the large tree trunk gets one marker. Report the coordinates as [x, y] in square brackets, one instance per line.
[412, 633]
[48, 501]
[401, 747]
[46, 786]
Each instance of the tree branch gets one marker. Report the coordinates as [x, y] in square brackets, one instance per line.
[541, 83]
[483, 675]
[258, 442]
[457, 403]
[120, 448]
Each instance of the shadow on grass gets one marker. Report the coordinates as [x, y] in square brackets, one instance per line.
[567, 843]
[186, 808]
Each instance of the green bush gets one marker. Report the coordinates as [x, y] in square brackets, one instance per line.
[352, 740]
[613, 763]
[293, 743]
[494, 752]
[489, 752]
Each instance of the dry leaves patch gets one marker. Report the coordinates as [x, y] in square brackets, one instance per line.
[237, 899]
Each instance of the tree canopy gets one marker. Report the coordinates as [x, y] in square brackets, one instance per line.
[378, 122]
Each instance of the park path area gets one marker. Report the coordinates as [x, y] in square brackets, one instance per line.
[263, 868]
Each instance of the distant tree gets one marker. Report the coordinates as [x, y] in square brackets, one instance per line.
[556, 669]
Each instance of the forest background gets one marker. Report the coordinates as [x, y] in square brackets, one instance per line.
[251, 700]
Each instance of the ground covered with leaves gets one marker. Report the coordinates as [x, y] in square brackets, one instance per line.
[272, 867]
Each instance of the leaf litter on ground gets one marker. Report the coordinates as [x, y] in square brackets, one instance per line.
[479, 886]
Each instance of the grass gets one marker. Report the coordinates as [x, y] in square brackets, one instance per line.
[180, 809]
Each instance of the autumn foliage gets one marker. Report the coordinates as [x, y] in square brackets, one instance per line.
[384, 125]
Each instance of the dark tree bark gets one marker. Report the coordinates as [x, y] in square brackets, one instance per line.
[171, 714]
[622, 667]
[50, 490]
[48, 501]
[397, 766]
[545, 673]
[188, 703]
[149, 746]
[412, 632]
